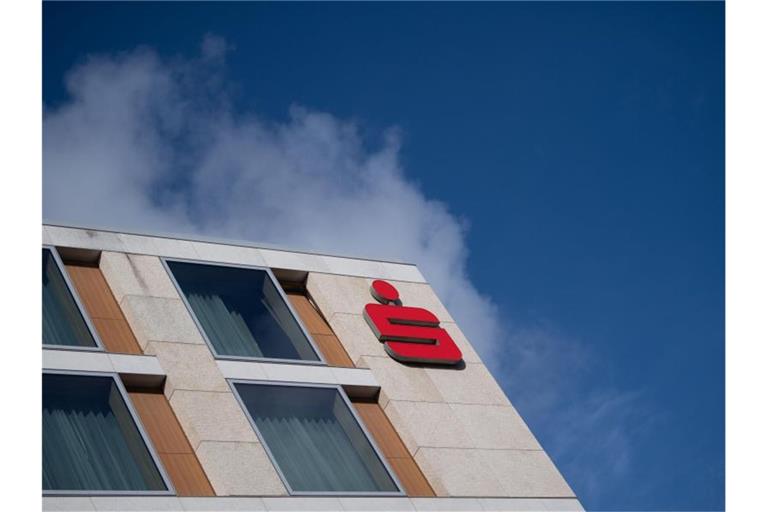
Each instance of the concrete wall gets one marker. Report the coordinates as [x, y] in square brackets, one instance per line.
[457, 423]
[218, 430]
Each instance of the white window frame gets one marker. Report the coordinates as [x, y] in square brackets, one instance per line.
[170, 490]
[321, 360]
[86, 317]
[339, 389]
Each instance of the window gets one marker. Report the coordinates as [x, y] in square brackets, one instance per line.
[63, 321]
[242, 312]
[314, 439]
[90, 438]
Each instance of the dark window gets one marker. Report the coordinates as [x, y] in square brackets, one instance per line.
[90, 439]
[63, 323]
[242, 312]
[315, 439]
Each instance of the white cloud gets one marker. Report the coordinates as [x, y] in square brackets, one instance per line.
[154, 145]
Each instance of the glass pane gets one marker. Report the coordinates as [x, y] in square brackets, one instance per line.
[90, 441]
[63, 324]
[315, 439]
[242, 312]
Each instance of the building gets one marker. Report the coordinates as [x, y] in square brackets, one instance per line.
[185, 374]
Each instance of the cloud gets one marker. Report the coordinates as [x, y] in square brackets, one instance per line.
[153, 144]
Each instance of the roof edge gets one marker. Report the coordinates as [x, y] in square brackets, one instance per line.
[216, 240]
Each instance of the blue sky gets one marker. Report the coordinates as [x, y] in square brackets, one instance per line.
[568, 158]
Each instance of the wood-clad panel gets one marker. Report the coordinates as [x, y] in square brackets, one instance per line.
[102, 308]
[391, 446]
[94, 291]
[381, 429]
[326, 341]
[186, 474]
[332, 350]
[158, 420]
[171, 444]
[413, 480]
[116, 335]
[313, 321]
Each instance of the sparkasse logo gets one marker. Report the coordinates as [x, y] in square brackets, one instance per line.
[410, 335]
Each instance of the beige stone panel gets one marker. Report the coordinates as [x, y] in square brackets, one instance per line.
[526, 473]
[138, 503]
[85, 238]
[513, 504]
[239, 469]
[68, 503]
[344, 294]
[219, 504]
[291, 260]
[172, 248]
[563, 505]
[376, 504]
[457, 472]
[47, 240]
[471, 384]
[494, 427]
[447, 504]
[160, 319]
[427, 424]
[304, 504]
[467, 350]
[339, 294]
[133, 274]
[207, 416]
[402, 272]
[356, 336]
[233, 254]
[190, 367]
[354, 266]
[138, 244]
[421, 295]
[402, 382]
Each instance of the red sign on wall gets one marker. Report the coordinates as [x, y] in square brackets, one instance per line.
[411, 335]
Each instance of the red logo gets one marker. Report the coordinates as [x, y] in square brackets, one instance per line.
[410, 335]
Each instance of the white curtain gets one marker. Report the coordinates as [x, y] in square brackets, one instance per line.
[315, 439]
[242, 312]
[62, 322]
[90, 441]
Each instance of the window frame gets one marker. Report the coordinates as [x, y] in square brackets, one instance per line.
[80, 307]
[339, 389]
[170, 489]
[321, 359]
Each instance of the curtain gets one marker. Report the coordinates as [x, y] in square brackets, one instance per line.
[226, 329]
[281, 315]
[315, 439]
[242, 312]
[62, 322]
[90, 441]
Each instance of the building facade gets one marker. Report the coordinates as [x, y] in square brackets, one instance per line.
[187, 374]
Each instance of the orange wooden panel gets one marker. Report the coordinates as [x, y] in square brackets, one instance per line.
[381, 429]
[160, 422]
[390, 444]
[412, 479]
[311, 318]
[171, 444]
[116, 335]
[333, 350]
[94, 291]
[186, 474]
[102, 308]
